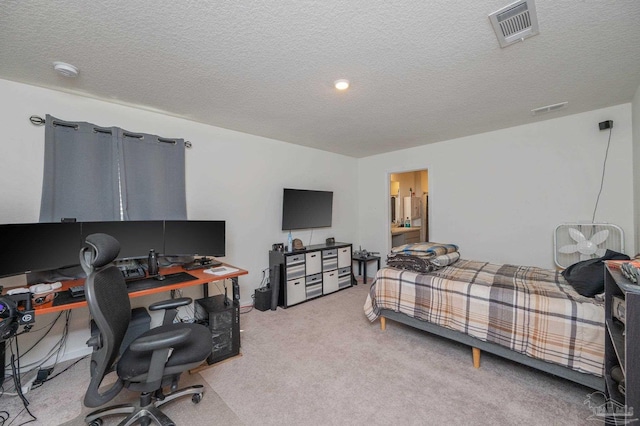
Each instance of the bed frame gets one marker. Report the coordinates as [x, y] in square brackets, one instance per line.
[478, 345]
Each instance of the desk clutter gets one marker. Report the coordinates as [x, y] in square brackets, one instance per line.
[151, 358]
[77, 294]
[364, 253]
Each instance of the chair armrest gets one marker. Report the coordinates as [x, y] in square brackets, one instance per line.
[169, 304]
[160, 341]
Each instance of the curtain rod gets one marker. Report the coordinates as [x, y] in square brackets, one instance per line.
[36, 120]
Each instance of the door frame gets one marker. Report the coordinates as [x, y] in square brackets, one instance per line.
[388, 202]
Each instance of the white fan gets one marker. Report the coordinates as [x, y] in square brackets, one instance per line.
[574, 242]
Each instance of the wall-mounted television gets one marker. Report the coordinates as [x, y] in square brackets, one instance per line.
[303, 209]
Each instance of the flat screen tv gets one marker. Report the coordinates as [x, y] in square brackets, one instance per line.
[32, 247]
[136, 238]
[194, 238]
[303, 209]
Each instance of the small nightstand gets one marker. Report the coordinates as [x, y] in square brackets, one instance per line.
[362, 261]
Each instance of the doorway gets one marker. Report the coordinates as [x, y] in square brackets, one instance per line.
[409, 207]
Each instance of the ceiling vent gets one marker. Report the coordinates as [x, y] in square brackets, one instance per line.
[515, 22]
[549, 108]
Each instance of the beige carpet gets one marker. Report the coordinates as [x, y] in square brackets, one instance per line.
[323, 363]
[59, 402]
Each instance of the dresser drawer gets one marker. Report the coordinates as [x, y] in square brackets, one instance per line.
[294, 267]
[314, 262]
[330, 282]
[314, 290]
[296, 292]
[344, 281]
[329, 260]
[344, 257]
[313, 279]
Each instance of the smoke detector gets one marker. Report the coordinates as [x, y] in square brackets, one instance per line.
[515, 22]
[65, 69]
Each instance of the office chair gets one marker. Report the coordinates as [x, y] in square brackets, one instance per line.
[152, 361]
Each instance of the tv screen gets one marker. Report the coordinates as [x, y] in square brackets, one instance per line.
[136, 238]
[194, 238]
[302, 208]
[28, 247]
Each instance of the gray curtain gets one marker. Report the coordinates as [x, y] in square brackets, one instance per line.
[94, 173]
[80, 172]
[154, 177]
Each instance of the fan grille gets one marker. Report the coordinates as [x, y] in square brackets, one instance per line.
[515, 22]
[564, 241]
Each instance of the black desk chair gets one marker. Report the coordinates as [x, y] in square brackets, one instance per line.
[152, 361]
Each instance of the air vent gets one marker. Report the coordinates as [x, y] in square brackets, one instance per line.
[515, 22]
[549, 108]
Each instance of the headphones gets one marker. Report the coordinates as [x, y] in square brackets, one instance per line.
[8, 316]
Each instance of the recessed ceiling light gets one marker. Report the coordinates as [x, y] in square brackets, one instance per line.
[65, 69]
[341, 84]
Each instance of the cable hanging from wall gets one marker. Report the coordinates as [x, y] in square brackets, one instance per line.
[36, 120]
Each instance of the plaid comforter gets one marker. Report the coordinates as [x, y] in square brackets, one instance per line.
[526, 309]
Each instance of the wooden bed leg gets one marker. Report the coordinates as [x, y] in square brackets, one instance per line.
[476, 357]
[383, 323]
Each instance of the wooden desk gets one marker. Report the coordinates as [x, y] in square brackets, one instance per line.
[202, 278]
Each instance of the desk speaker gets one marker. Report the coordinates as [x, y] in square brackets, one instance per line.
[223, 320]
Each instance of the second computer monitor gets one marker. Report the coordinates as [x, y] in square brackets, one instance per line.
[136, 237]
[194, 238]
[31, 247]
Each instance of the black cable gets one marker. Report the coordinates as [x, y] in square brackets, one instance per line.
[16, 381]
[53, 377]
[247, 311]
[41, 337]
[4, 416]
[604, 165]
[51, 325]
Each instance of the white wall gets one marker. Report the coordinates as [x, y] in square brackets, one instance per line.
[500, 195]
[231, 176]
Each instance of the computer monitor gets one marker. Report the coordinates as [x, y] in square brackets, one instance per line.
[31, 247]
[194, 238]
[136, 238]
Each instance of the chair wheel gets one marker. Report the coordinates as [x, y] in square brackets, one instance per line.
[196, 398]
[96, 422]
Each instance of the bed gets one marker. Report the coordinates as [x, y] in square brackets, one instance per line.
[526, 314]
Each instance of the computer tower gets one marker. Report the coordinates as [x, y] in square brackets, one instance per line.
[223, 320]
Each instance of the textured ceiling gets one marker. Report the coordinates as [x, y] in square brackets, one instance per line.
[421, 71]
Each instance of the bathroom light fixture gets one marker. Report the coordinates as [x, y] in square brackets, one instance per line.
[65, 69]
[341, 84]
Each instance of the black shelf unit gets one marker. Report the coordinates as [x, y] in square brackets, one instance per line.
[622, 345]
[312, 272]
